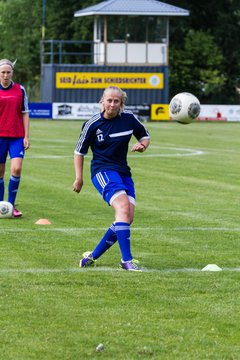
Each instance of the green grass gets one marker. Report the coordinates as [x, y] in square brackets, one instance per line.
[187, 216]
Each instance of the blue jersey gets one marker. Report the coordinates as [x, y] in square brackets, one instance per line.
[109, 139]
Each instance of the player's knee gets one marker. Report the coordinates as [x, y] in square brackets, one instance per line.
[126, 214]
[122, 211]
[16, 171]
[16, 167]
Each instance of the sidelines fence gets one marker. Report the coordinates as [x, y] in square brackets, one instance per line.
[151, 112]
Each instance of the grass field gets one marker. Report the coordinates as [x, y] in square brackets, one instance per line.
[188, 198]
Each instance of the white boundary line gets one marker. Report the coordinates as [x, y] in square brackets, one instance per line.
[188, 152]
[107, 269]
[84, 229]
[179, 152]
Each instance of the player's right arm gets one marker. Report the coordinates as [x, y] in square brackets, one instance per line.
[78, 164]
[81, 150]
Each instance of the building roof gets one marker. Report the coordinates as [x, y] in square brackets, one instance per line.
[133, 7]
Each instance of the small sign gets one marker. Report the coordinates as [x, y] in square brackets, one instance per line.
[160, 112]
[40, 110]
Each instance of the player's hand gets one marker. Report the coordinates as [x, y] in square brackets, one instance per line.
[26, 143]
[138, 147]
[77, 185]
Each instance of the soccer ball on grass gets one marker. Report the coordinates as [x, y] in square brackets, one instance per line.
[6, 210]
[184, 108]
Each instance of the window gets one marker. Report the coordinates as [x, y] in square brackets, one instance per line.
[136, 29]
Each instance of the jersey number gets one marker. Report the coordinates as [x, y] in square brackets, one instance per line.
[100, 137]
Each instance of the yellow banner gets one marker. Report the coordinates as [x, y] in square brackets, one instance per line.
[87, 80]
[160, 112]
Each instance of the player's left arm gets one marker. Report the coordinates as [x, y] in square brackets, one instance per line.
[25, 114]
[26, 140]
[142, 135]
[141, 145]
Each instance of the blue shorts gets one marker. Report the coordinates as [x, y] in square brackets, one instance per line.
[110, 184]
[13, 146]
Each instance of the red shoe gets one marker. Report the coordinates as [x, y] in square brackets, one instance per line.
[16, 212]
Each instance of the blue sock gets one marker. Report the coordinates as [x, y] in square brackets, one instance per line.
[123, 235]
[105, 243]
[13, 188]
[1, 189]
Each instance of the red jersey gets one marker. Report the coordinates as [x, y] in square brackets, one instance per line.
[13, 102]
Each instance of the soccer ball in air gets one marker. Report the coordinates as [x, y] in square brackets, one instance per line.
[6, 210]
[184, 108]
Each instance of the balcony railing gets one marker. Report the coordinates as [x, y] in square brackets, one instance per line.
[99, 53]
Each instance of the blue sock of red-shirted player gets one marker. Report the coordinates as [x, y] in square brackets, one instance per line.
[13, 188]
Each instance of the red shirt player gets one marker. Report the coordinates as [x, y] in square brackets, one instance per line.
[14, 130]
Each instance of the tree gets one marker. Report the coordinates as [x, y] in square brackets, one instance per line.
[222, 22]
[20, 40]
[196, 67]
